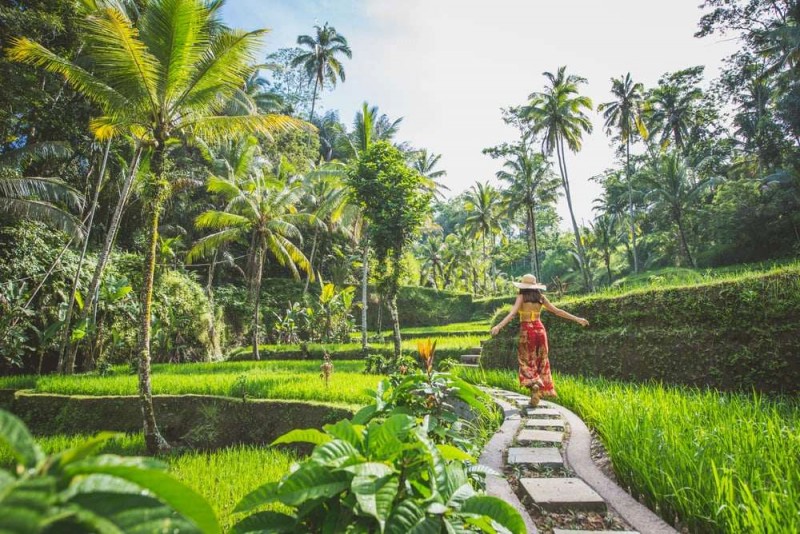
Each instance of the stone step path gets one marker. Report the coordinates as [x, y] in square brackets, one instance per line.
[551, 442]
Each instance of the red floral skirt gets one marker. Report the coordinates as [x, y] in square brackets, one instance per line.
[534, 365]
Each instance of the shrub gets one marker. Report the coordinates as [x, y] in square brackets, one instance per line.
[738, 334]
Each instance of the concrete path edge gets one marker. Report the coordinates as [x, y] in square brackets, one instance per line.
[492, 456]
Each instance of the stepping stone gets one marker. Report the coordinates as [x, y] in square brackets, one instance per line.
[544, 423]
[537, 412]
[539, 456]
[549, 436]
[470, 358]
[563, 494]
[562, 531]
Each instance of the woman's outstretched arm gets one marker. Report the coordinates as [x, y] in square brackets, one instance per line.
[511, 315]
[561, 313]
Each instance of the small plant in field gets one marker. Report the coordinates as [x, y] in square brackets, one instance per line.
[77, 491]
[326, 368]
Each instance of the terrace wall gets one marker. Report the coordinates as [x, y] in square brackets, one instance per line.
[736, 335]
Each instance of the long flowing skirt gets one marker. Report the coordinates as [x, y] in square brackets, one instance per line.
[534, 365]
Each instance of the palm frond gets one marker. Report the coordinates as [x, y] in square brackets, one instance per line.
[45, 189]
[220, 128]
[220, 219]
[37, 210]
[206, 246]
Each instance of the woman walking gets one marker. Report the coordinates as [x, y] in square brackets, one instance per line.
[534, 365]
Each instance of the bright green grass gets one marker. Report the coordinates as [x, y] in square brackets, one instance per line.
[674, 277]
[477, 327]
[719, 462]
[223, 477]
[296, 380]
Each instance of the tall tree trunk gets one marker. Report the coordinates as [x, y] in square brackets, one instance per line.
[313, 100]
[105, 254]
[65, 363]
[395, 325]
[607, 258]
[483, 244]
[256, 295]
[364, 298]
[212, 327]
[630, 205]
[535, 243]
[311, 260]
[562, 163]
[679, 220]
[157, 196]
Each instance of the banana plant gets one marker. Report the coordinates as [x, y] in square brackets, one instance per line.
[77, 490]
[386, 476]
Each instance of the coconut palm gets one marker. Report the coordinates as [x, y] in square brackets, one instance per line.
[260, 212]
[369, 126]
[531, 183]
[45, 199]
[604, 236]
[483, 206]
[432, 255]
[624, 114]
[425, 163]
[163, 77]
[558, 113]
[320, 61]
[671, 109]
[674, 187]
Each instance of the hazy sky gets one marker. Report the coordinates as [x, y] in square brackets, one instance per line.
[448, 66]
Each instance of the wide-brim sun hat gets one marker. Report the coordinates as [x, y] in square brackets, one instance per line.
[528, 281]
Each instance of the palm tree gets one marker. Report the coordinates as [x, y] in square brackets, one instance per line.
[320, 61]
[369, 126]
[604, 234]
[673, 185]
[672, 111]
[425, 163]
[164, 77]
[483, 211]
[558, 114]
[432, 253]
[45, 199]
[260, 211]
[326, 197]
[625, 114]
[531, 183]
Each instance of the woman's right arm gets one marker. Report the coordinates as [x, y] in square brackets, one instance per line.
[563, 314]
[511, 315]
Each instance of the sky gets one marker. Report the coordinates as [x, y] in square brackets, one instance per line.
[449, 66]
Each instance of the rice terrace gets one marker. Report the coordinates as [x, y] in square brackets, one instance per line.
[273, 266]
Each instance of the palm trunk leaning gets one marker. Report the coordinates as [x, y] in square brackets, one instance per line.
[256, 294]
[534, 243]
[67, 335]
[364, 299]
[105, 255]
[562, 164]
[630, 204]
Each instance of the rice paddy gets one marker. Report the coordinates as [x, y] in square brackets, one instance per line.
[717, 462]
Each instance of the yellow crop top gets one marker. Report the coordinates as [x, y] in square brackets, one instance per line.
[530, 315]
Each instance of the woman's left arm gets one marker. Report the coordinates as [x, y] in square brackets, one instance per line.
[563, 314]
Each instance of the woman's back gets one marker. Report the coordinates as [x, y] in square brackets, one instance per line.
[530, 311]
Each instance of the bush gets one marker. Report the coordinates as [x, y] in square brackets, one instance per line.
[739, 334]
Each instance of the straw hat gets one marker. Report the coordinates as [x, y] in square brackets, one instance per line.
[528, 281]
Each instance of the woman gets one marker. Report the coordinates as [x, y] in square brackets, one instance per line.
[534, 366]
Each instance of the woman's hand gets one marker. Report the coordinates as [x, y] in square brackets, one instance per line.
[583, 322]
[495, 330]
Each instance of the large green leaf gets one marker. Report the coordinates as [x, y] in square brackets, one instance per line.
[497, 510]
[364, 415]
[312, 482]
[264, 494]
[436, 463]
[335, 453]
[409, 518]
[374, 469]
[305, 435]
[148, 475]
[375, 496]
[15, 434]
[385, 440]
[347, 431]
[449, 452]
[25, 503]
[132, 513]
[266, 523]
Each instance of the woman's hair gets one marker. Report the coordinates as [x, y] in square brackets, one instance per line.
[531, 295]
